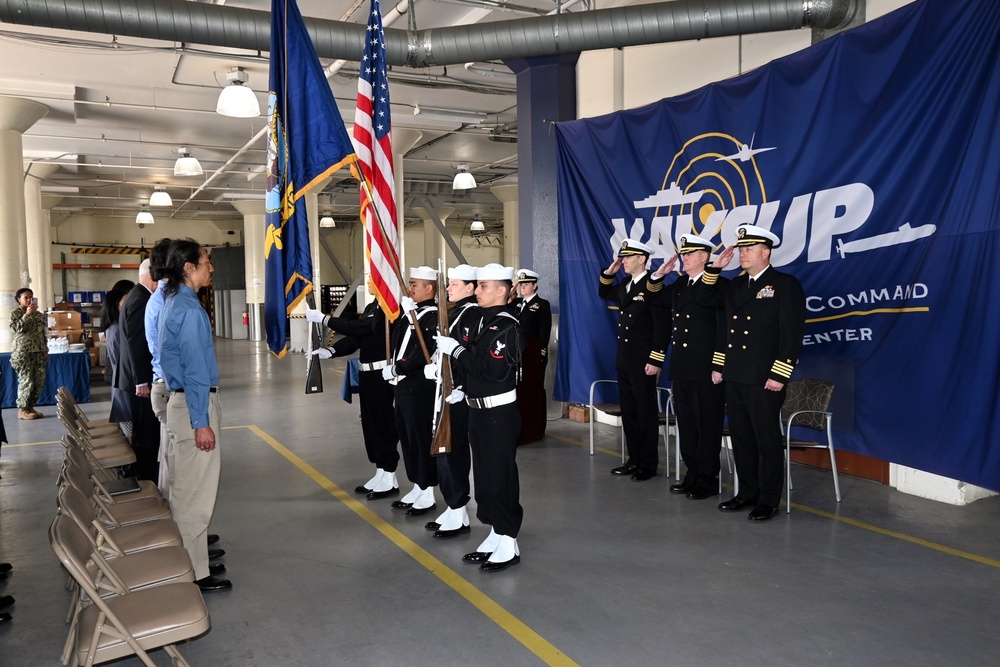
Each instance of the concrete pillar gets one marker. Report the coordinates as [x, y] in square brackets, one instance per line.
[38, 232]
[253, 249]
[511, 229]
[16, 116]
[434, 244]
[546, 93]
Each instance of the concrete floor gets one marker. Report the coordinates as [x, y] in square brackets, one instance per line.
[613, 572]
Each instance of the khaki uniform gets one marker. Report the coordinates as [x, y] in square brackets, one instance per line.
[28, 355]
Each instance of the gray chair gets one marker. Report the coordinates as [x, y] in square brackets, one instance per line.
[807, 403]
[612, 409]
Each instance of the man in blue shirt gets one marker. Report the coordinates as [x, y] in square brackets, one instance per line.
[187, 361]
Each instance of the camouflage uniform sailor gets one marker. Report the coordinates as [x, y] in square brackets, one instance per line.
[29, 353]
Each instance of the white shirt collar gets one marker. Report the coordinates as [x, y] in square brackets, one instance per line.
[759, 273]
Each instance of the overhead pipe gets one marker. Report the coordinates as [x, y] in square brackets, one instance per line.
[239, 28]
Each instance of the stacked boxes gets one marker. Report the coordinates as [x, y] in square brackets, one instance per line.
[65, 324]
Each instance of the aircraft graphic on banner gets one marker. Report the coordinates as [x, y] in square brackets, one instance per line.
[672, 196]
[746, 152]
[905, 234]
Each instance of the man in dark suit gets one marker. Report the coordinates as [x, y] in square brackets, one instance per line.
[643, 333]
[135, 375]
[535, 316]
[765, 320]
[698, 330]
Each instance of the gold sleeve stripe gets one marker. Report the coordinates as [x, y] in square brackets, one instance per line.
[719, 358]
[653, 287]
[784, 370]
[656, 356]
[709, 278]
[606, 280]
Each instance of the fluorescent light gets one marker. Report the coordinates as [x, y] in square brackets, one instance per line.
[237, 100]
[449, 115]
[463, 179]
[160, 197]
[327, 221]
[144, 218]
[187, 165]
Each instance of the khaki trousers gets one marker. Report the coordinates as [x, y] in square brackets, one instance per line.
[158, 396]
[195, 478]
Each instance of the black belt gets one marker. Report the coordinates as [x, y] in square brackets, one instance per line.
[211, 390]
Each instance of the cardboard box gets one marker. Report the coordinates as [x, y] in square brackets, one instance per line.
[579, 413]
[95, 357]
[71, 335]
[65, 319]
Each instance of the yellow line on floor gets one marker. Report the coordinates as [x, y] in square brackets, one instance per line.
[531, 640]
[992, 562]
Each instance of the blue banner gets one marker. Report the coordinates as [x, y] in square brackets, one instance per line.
[306, 142]
[875, 156]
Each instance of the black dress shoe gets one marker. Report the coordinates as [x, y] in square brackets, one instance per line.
[762, 513]
[420, 511]
[497, 567]
[362, 489]
[735, 504]
[400, 505]
[216, 553]
[642, 474]
[626, 469]
[681, 488]
[6, 567]
[4, 617]
[6, 601]
[445, 534]
[212, 584]
[701, 492]
[477, 556]
[215, 569]
[213, 538]
[432, 525]
[378, 495]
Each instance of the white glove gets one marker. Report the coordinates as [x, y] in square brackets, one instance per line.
[446, 344]
[315, 316]
[323, 353]
[456, 396]
[389, 372]
[407, 304]
[431, 371]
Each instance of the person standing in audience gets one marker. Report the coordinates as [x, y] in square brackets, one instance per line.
[415, 393]
[121, 408]
[535, 315]
[190, 371]
[490, 361]
[643, 334]
[698, 331]
[765, 320]
[368, 335]
[29, 352]
[135, 375]
[454, 467]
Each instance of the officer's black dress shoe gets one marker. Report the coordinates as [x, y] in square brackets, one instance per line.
[626, 469]
[4, 617]
[681, 488]
[6, 567]
[477, 556]
[762, 513]
[6, 601]
[216, 553]
[445, 534]
[701, 492]
[400, 505]
[642, 474]
[362, 489]
[497, 567]
[432, 525]
[420, 511]
[212, 539]
[212, 584]
[215, 569]
[378, 495]
[735, 504]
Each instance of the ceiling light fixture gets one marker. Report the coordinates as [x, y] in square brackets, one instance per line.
[463, 179]
[160, 197]
[237, 100]
[187, 165]
[327, 221]
[144, 218]
[477, 226]
[449, 115]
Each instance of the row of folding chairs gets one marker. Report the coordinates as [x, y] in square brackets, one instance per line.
[131, 580]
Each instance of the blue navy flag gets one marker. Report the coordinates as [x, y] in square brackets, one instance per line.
[874, 157]
[306, 142]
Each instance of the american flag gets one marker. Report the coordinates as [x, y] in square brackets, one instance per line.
[373, 144]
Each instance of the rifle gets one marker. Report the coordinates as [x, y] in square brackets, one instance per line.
[442, 427]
